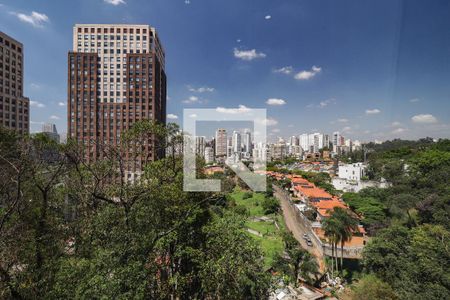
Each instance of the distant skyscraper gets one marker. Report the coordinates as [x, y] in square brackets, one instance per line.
[14, 107]
[116, 77]
[221, 142]
[209, 155]
[304, 141]
[200, 143]
[237, 142]
[316, 142]
[247, 143]
[326, 141]
[294, 148]
[337, 139]
[50, 130]
[294, 141]
[229, 146]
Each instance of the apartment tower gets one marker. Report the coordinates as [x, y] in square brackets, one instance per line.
[116, 77]
[221, 142]
[14, 107]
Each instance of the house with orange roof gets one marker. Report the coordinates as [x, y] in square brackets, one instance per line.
[310, 193]
[325, 207]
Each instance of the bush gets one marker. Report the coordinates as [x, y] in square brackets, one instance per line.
[241, 210]
[270, 205]
[247, 195]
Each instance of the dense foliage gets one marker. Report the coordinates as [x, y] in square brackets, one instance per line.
[73, 230]
[410, 220]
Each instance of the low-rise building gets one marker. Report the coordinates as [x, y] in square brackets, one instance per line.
[354, 171]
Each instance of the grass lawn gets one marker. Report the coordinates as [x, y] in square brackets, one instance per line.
[271, 241]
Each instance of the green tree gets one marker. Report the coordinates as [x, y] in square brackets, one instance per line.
[296, 261]
[270, 205]
[371, 287]
[231, 264]
[414, 262]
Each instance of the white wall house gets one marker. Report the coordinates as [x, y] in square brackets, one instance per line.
[352, 171]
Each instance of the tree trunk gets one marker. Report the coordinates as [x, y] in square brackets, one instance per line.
[332, 259]
[336, 257]
[342, 256]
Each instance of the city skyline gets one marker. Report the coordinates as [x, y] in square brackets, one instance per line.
[370, 78]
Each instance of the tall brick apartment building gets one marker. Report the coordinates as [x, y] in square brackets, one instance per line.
[14, 107]
[116, 77]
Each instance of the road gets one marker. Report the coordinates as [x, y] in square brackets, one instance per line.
[297, 228]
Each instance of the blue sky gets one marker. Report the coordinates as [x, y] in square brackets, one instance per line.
[370, 69]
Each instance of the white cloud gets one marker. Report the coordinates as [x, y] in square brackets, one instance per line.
[61, 103]
[53, 117]
[267, 121]
[268, 17]
[275, 130]
[398, 130]
[35, 86]
[372, 111]
[37, 104]
[172, 116]
[323, 104]
[346, 129]
[36, 19]
[115, 2]
[247, 54]
[192, 99]
[241, 109]
[238, 40]
[342, 120]
[202, 89]
[396, 124]
[308, 74]
[275, 101]
[413, 100]
[187, 2]
[424, 119]
[284, 70]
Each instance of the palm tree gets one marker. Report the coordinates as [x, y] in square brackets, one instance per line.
[347, 225]
[331, 228]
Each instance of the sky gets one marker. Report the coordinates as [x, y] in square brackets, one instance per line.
[373, 70]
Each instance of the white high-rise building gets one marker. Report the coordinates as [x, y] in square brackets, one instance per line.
[304, 141]
[236, 143]
[293, 141]
[221, 142]
[230, 146]
[247, 143]
[337, 139]
[316, 141]
[260, 152]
